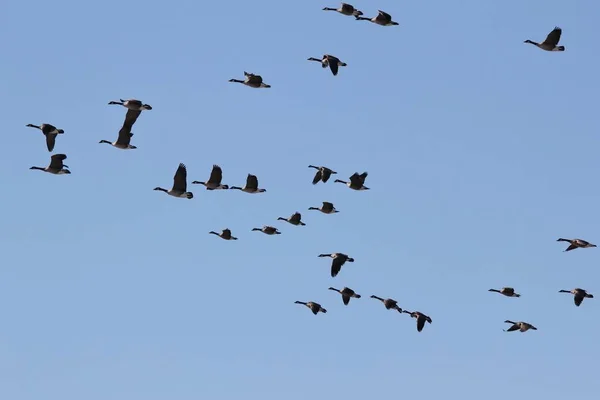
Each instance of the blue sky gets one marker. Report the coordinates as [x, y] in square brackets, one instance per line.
[481, 152]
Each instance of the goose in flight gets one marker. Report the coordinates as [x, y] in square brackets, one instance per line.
[314, 307]
[214, 181]
[345, 9]
[390, 304]
[294, 219]
[579, 295]
[383, 19]
[519, 326]
[225, 234]
[357, 182]
[339, 259]
[268, 230]
[179, 188]
[323, 174]
[507, 291]
[551, 42]
[123, 141]
[56, 166]
[576, 243]
[330, 61]
[421, 319]
[251, 185]
[251, 80]
[347, 294]
[326, 208]
[50, 131]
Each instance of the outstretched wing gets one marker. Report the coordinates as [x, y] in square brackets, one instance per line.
[50, 140]
[56, 161]
[295, 218]
[578, 300]
[317, 177]
[130, 117]
[180, 179]
[252, 181]
[571, 247]
[124, 136]
[385, 15]
[336, 266]
[421, 322]
[216, 175]
[553, 37]
[333, 64]
[327, 206]
[326, 174]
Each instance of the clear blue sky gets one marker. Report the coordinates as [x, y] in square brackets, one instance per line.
[481, 152]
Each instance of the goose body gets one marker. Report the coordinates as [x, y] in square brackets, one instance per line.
[294, 219]
[576, 243]
[326, 208]
[339, 259]
[421, 319]
[225, 234]
[268, 230]
[507, 291]
[132, 104]
[179, 188]
[390, 304]
[330, 61]
[322, 175]
[356, 182]
[123, 141]
[56, 166]
[314, 307]
[50, 131]
[251, 185]
[345, 9]
[382, 18]
[347, 294]
[214, 181]
[519, 326]
[578, 295]
[551, 42]
[251, 80]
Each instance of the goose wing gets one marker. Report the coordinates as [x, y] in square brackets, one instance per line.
[295, 218]
[317, 177]
[326, 174]
[578, 298]
[216, 175]
[56, 161]
[336, 265]
[252, 78]
[356, 179]
[130, 117]
[124, 135]
[180, 179]
[553, 37]
[50, 140]
[421, 319]
[572, 246]
[226, 234]
[333, 64]
[252, 182]
[384, 15]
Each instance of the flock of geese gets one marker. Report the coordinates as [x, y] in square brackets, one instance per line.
[355, 182]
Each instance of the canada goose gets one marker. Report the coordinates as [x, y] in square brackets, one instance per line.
[520, 326]
[331, 61]
[326, 208]
[314, 307]
[575, 243]
[295, 219]
[507, 291]
[383, 19]
[269, 230]
[421, 319]
[123, 140]
[346, 293]
[357, 182]
[551, 42]
[323, 174]
[225, 234]
[50, 132]
[339, 259]
[132, 104]
[345, 9]
[252, 80]
[251, 185]
[214, 181]
[579, 294]
[389, 304]
[56, 166]
[179, 184]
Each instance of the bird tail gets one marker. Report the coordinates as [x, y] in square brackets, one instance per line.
[560, 48]
[189, 195]
[60, 131]
[358, 296]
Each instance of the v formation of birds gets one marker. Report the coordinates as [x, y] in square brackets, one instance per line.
[355, 182]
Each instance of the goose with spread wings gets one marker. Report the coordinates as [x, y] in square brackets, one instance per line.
[50, 131]
[251, 185]
[551, 42]
[214, 181]
[383, 19]
[329, 61]
[179, 188]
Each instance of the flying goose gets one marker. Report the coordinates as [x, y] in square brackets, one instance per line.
[269, 230]
[294, 219]
[421, 319]
[520, 326]
[575, 243]
[251, 185]
[551, 42]
[346, 293]
[390, 304]
[252, 80]
[579, 294]
[314, 307]
[345, 9]
[225, 234]
[214, 181]
[357, 182]
[326, 208]
[50, 132]
[179, 184]
[507, 291]
[339, 259]
[331, 61]
[123, 140]
[56, 166]
[323, 174]
[383, 19]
